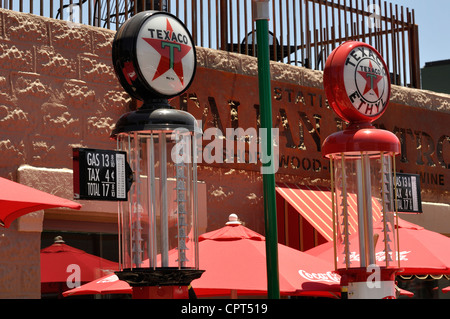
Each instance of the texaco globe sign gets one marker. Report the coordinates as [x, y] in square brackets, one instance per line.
[356, 82]
[154, 56]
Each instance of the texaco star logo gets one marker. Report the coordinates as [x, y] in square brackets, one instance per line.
[172, 51]
[165, 54]
[366, 81]
[372, 78]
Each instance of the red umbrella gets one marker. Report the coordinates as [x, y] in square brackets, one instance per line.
[61, 263]
[234, 261]
[17, 200]
[234, 258]
[109, 284]
[422, 252]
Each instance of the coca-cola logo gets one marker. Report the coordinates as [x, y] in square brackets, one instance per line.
[381, 256]
[366, 81]
[328, 276]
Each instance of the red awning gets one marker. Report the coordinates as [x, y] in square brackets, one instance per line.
[314, 204]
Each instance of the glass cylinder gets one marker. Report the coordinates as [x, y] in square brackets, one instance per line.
[362, 181]
[158, 224]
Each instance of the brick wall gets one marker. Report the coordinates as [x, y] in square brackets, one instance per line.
[58, 90]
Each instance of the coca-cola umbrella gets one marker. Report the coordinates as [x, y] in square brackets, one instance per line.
[111, 284]
[233, 258]
[63, 267]
[422, 252]
[17, 200]
[234, 261]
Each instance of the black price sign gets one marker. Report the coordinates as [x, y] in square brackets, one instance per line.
[408, 193]
[100, 174]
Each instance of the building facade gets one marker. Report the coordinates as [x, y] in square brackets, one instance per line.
[59, 91]
[435, 76]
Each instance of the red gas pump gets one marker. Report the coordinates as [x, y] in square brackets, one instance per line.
[158, 228]
[362, 165]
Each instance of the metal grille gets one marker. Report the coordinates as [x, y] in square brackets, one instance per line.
[302, 32]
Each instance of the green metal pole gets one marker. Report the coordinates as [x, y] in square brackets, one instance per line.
[261, 9]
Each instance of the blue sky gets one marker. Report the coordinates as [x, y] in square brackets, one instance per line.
[433, 19]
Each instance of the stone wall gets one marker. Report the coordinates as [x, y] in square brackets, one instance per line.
[58, 90]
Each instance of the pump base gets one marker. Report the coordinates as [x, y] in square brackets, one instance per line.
[161, 292]
[359, 283]
[159, 276]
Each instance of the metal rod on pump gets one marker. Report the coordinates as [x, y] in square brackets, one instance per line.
[151, 195]
[384, 206]
[364, 228]
[133, 201]
[345, 213]
[361, 212]
[137, 207]
[164, 208]
[369, 217]
[194, 186]
[396, 210]
[333, 210]
[130, 207]
[119, 219]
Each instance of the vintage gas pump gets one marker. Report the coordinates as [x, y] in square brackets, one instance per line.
[362, 165]
[158, 223]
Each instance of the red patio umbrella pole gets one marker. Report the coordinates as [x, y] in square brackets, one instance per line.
[261, 16]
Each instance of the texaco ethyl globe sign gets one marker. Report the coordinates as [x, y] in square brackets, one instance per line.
[154, 56]
[356, 82]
